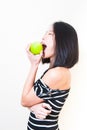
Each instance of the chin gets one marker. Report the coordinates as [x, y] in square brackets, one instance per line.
[45, 60]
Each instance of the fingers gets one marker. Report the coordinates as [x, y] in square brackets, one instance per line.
[45, 105]
[41, 115]
[46, 109]
[41, 110]
[28, 49]
[41, 53]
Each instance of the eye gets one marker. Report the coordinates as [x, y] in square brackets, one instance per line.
[50, 33]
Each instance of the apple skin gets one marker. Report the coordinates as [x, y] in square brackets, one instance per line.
[36, 48]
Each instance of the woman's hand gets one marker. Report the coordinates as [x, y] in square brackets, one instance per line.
[34, 59]
[41, 110]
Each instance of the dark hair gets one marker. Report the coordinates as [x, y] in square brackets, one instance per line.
[67, 52]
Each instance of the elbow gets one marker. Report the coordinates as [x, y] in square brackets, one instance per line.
[25, 103]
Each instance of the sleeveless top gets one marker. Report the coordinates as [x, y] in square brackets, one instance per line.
[55, 98]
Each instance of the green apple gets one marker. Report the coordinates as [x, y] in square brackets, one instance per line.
[36, 48]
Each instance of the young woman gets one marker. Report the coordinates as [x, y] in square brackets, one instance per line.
[49, 92]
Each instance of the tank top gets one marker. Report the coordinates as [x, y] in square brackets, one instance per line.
[55, 98]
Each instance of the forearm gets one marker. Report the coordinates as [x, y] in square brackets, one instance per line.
[30, 80]
[25, 100]
[29, 97]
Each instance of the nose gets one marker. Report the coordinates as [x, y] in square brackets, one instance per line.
[44, 36]
[43, 40]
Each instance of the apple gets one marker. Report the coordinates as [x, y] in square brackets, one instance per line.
[36, 48]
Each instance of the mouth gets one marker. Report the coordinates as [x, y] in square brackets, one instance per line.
[44, 47]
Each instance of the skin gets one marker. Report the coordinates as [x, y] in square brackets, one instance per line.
[55, 78]
[40, 110]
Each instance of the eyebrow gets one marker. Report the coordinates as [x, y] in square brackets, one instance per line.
[50, 31]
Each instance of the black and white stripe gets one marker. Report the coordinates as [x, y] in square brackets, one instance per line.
[56, 99]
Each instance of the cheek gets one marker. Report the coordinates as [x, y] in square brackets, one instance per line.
[52, 47]
[50, 51]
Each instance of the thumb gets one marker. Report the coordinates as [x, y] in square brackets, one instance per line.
[41, 53]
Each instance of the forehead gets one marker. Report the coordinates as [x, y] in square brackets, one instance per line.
[50, 28]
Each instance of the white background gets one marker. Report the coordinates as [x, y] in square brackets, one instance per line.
[23, 21]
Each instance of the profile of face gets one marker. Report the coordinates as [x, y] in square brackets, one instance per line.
[60, 44]
[48, 42]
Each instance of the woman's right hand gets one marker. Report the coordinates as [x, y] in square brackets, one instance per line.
[41, 110]
[34, 59]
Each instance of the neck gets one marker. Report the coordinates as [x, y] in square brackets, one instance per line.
[51, 63]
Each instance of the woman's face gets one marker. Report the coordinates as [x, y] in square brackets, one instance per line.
[48, 42]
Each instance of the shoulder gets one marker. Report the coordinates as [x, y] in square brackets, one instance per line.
[57, 77]
[57, 73]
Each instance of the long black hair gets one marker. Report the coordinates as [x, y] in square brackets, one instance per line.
[67, 50]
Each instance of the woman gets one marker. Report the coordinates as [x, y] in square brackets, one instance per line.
[60, 44]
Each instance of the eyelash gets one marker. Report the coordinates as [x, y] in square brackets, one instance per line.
[50, 34]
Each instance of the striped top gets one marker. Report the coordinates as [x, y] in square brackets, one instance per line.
[56, 99]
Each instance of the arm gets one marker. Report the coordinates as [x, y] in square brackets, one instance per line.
[28, 96]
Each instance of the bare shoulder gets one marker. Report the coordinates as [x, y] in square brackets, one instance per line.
[57, 78]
